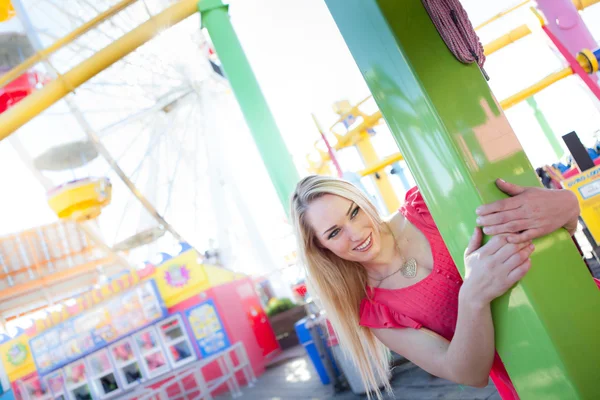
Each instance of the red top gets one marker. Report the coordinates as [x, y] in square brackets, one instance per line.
[432, 302]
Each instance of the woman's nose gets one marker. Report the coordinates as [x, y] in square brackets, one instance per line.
[355, 234]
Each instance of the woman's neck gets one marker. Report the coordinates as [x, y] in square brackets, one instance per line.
[386, 262]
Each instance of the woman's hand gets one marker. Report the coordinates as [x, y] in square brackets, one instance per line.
[492, 269]
[530, 212]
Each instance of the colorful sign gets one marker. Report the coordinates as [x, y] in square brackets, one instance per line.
[177, 275]
[586, 187]
[17, 358]
[17, 354]
[96, 328]
[88, 300]
[207, 328]
[181, 277]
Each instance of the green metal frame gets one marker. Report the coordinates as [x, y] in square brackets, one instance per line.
[545, 126]
[457, 141]
[258, 116]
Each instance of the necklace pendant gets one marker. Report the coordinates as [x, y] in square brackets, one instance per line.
[409, 269]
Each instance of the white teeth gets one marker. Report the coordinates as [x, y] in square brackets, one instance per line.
[365, 244]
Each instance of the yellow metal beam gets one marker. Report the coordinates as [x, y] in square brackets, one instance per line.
[381, 164]
[535, 88]
[354, 135]
[505, 40]
[502, 14]
[353, 111]
[24, 111]
[70, 37]
[581, 4]
[369, 156]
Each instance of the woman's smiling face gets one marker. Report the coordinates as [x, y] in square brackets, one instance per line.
[343, 228]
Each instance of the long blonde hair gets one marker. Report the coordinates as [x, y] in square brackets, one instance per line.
[339, 285]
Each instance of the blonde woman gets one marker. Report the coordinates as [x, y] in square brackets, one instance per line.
[393, 285]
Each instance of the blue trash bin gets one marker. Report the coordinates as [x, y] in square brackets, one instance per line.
[306, 339]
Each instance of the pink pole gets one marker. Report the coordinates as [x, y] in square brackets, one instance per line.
[587, 79]
[567, 25]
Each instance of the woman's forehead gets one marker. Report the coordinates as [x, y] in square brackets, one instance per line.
[326, 211]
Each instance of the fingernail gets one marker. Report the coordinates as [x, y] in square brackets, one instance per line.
[532, 246]
[478, 211]
[501, 180]
[478, 221]
[486, 231]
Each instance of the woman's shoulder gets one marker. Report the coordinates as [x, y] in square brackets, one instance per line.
[397, 223]
[415, 209]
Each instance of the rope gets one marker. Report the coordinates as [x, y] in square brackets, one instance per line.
[453, 25]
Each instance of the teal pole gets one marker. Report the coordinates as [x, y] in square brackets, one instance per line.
[457, 141]
[276, 157]
[548, 132]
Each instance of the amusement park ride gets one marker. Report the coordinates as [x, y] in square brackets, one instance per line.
[196, 315]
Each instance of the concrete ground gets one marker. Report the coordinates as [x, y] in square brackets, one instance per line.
[294, 378]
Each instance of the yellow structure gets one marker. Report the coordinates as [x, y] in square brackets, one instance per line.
[70, 37]
[581, 4]
[6, 10]
[535, 88]
[81, 200]
[370, 158]
[505, 40]
[586, 187]
[31, 106]
[359, 136]
[502, 14]
[586, 59]
[389, 160]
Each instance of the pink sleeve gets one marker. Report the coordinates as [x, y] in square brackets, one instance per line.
[414, 206]
[379, 316]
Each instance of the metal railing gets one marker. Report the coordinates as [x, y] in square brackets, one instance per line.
[189, 382]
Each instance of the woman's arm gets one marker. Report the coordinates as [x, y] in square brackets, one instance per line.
[491, 270]
[530, 212]
[466, 360]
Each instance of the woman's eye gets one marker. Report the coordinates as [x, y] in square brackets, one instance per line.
[334, 233]
[354, 212]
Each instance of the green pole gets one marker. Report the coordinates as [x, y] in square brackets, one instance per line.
[457, 141]
[548, 132]
[258, 116]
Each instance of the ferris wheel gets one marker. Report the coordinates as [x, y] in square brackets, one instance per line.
[156, 124]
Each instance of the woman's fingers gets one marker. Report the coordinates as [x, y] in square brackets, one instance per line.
[517, 273]
[508, 250]
[517, 259]
[475, 242]
[494, 244]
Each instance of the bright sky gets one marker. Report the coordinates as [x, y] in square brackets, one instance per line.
[303, 66]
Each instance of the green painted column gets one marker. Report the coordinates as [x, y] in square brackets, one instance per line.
[457, 141]
[548, 132]
[258, 116]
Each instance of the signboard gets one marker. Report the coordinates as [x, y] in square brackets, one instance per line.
[586, 187]
[207, 328]
[180, 278]
[16, 357]
[96, 328]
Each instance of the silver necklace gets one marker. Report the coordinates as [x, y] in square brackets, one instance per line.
[408, 269]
